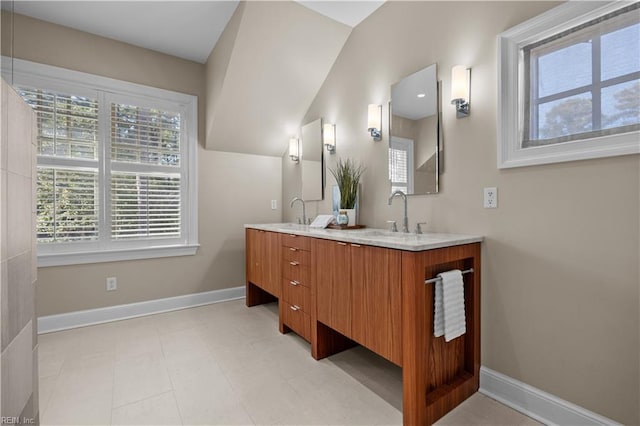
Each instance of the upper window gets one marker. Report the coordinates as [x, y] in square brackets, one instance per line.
[570, 85]
[116, 167]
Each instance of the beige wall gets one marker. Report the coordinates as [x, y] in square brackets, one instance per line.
[274, 56]
[19, 358]
[219, 262]
[560, 272]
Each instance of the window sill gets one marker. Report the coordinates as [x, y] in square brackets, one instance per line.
[599, 147]
[79, 258]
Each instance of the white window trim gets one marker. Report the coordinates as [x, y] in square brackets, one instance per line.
[511, 92]
[55, 78]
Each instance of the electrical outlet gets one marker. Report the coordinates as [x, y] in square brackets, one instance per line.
[112, 284]
[491, 198]
[274, 204]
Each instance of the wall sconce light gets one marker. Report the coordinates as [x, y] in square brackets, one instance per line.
[460, 89]
[294, 149]
[329, 137]
[374, 121]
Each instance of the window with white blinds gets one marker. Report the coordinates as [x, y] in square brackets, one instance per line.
[145, 206]
[145, 183]
[116, 167]
[67, 183]
[67, 202]
[145, 135]
[67, 124]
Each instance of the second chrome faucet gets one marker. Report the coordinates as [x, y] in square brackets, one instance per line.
[405, 219]
[304, 210]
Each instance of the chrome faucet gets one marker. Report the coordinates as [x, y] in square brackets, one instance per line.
[405, 220]
[304, 210]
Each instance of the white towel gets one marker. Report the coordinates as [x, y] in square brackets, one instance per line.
[448, 318]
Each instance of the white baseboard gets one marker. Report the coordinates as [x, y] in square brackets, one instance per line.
[51, 323]
[535, 403]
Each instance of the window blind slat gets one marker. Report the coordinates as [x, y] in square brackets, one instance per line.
[145, 135]
[145, 206]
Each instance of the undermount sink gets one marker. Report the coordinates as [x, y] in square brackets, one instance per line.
[378, 233]
[291, 225]
[388, 235]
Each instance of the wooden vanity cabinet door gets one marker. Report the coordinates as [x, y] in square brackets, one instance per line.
[376, 315]
[271, 252]
[333, 285]
[254, 242]
[263, 260]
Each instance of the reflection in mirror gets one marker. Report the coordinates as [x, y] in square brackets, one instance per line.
[311, 162]
[414, 144]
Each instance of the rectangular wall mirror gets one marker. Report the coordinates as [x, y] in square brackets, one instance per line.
[312, 161]
[414, 139]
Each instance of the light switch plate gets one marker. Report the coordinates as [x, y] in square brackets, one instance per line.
[274, 204]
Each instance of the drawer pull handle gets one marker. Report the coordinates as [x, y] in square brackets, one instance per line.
[293, 263]
[294, 282]
[342, 244]
[356, 245]
[293, 249]
[295, 308]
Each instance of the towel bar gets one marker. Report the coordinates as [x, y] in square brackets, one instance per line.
[433, 280]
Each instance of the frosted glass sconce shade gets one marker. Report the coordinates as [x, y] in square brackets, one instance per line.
[460, 89]
[294, 149]
[374, 121]
[329, 137]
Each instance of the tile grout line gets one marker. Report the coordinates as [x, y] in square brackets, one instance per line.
[54, 391]
[173, 386]
[226, 378]
[113, 388]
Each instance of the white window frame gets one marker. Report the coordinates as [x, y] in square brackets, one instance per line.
[511, 92]
[46, 77]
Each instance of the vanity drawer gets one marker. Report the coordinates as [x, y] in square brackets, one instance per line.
[297, 320]
[296, 241]
[292, 270]
[292, 254]
[295, 293]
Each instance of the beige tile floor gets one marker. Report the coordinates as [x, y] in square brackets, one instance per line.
[222, 364]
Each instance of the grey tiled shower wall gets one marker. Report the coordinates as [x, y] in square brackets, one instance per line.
[19, 343]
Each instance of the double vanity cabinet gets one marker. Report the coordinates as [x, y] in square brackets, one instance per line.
[337, 289]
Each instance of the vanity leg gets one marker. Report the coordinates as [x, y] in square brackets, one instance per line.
[325, 341]
[415, 348]
[257, 296]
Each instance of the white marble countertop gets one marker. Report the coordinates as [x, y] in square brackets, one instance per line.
[373, 237]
